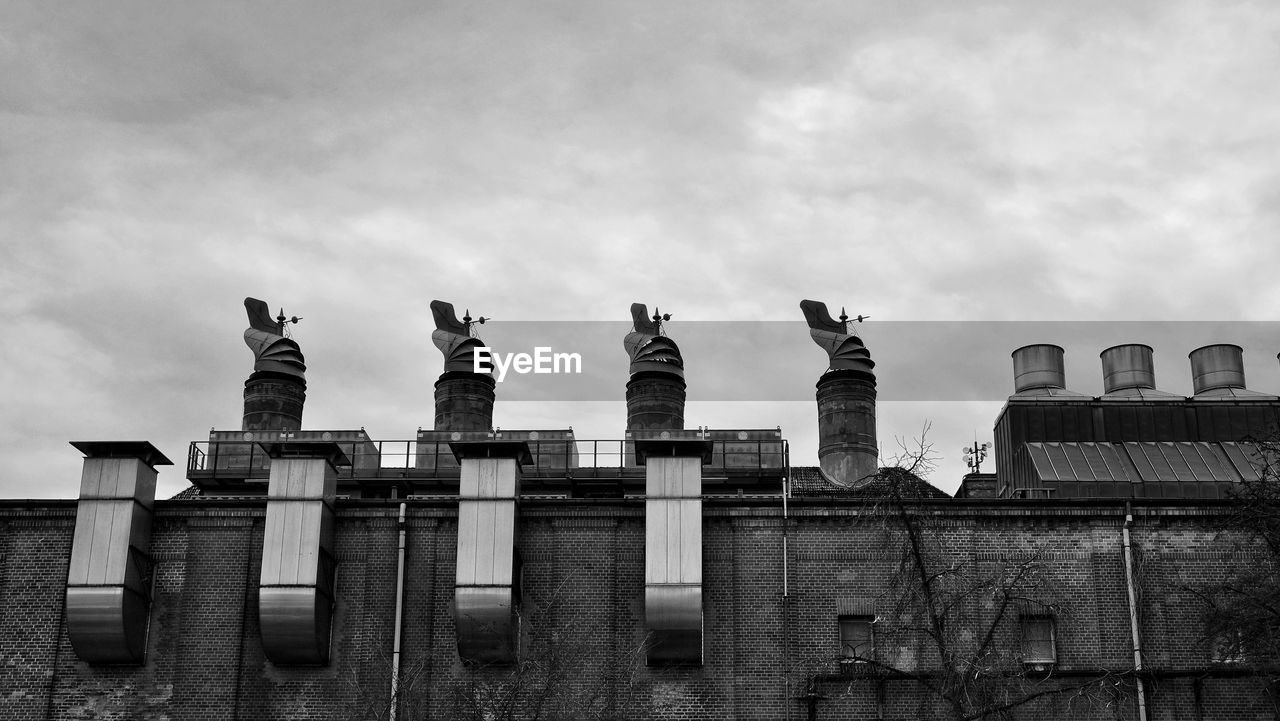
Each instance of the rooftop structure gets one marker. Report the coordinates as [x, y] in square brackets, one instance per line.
[671, 571]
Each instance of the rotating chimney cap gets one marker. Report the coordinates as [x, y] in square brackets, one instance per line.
[1038, 366]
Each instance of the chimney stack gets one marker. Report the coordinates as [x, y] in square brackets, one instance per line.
[1127, 367]
[1038, 366]
[1217, 366]
[846, 394]
[464, 398]
[277, 388]
[656, 389]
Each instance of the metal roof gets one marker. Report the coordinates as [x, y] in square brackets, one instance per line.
[1143, 462]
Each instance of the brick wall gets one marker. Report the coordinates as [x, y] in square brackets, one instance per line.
[583, 580]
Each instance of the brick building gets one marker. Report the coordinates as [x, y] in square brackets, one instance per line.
[312, 574]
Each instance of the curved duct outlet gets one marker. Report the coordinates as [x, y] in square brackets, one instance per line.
[108, 599]
[295, 623]
[1038, 366]
[485, 622]
[295, 593]
[1217, 366]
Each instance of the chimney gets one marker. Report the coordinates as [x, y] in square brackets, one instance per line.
[464, 398]
[1037, 367]
[655, 391]
[1217, 366]
[846, 394]
[277, 388]
[1127, 367]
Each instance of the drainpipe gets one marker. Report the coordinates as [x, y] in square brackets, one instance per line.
[786, 603]
[1133, 614]
[395, 652]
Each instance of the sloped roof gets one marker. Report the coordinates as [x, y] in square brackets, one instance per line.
[188, 492]
[811, 481]
[1143, 462]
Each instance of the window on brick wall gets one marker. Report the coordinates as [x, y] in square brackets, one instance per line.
[857, 639]
[1039, 640]
[1227, 647]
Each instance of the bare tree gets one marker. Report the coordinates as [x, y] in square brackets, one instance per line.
[954, 621]
[1242, 610]
[565, 671]
[366, 685]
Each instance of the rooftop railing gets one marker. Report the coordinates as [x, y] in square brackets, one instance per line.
[556, 460]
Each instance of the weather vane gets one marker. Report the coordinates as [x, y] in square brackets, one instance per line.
[281, 320]
[844, 318]
[468, 322]
[658, 318]
[974, 455]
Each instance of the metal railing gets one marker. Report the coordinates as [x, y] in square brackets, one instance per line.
[556, 458]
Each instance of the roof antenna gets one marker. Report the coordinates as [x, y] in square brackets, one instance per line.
[974, 455]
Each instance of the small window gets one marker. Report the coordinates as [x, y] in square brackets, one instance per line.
[1039, 640]
[1227, 647]
[857, 638]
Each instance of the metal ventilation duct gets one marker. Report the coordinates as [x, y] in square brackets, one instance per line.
[297, 579]
[108, 601]
[673, 543]
[486, 579]
[1038, 366]
[1127, 366]
[1217, 366]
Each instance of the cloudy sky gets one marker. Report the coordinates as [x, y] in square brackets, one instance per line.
[985, 167]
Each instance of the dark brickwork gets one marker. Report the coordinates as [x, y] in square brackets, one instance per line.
[35, 547]
[584, 569]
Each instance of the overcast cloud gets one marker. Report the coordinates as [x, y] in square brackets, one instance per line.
[557, 161]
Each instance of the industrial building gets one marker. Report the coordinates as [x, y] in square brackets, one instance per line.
[667, 573]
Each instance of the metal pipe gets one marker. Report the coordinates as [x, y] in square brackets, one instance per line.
[1133, 615]
[395, 649]
[786, 602]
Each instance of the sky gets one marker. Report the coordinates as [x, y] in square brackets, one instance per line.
[976, 175]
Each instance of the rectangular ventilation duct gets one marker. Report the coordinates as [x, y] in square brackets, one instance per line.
[109, 577]
[673, 542]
